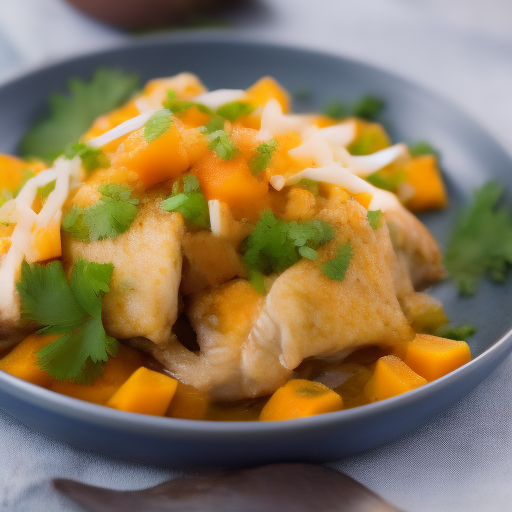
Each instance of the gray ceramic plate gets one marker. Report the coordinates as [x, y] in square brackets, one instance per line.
[470, 157]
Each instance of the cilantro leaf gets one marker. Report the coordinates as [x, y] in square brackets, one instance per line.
[456, 332]
[336, 268]
[47, 189]
[177, 106]
[375, 218]
[220, 142]
[387, 179]
[72, 114]
[368, 107]
[275, 245]
[422, 148]
[92, 158]
[235, 109]
[188, 200]
[260, 161]
[308, 184]
[336, 110]
[157, 124]
[109, 217]
[73, 311]
[257, 281]
[481, 242]
[214, 124]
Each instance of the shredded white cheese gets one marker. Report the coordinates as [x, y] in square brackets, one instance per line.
[215, 99]
[275, 123]
[215, 217]
[122, 129]
[338, 135]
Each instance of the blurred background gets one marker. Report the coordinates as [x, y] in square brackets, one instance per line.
[461, 49]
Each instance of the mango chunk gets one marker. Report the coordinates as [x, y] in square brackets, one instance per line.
[117, 370]
[21, 361]
[265, 89]
[300, 398]
[188, 403]
[145, 392]
[432, 357]
[424, 177]
[391, 377]
[46, 242]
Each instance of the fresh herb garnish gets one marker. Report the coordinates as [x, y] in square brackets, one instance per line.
[422, 148]
[108, 217]
[375, 218]
[214, 124]
[368, 107]
[176, 106]
[71, 310]
[308, 184]
[92, 158]
[456, 332]
[157, 124]
[220, 142]
[260, 161]
[235, 109]
[481, 243]
[72, 114]
[387, 179]
[47, 189]
[275, 245]
[188, 200]
[336, 268]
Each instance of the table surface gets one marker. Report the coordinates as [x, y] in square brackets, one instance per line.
[461, 49]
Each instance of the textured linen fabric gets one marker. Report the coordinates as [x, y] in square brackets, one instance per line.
[462, 49]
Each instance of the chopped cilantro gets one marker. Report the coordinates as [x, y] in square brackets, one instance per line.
[481, 242]
[375, 219]
[456, 332]
[235, 109]
[336, 268]
[188, 200]
[257, 280]
[308, 184]
[92, 158]
[422, 148]
[275, 245]
[109, 217]
[387, 179]
[72, 114]
[157, 124]
[214, 124]
[368, 107]
[220, 142]
[260, 161]
[74, 311]
[177, 106]
[47, 189]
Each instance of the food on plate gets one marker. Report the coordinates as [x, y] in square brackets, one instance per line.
[211, 255]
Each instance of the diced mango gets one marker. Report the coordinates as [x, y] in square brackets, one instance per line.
[117, 370]
[231, 182]
[145, 392]
[424, 177]
[159, 160]
[364, 199]
[245, 139]
[432, 357]
[265, 89]
[391, 377]
[11, 172]
[188, 403]
[46, 242]
[192, 117]
[300, 398]
[21, 361]
[281, 162]
[195, 143]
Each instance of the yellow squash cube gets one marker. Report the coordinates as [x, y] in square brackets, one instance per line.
[145, 392]
[432, 357]
[391, 377]
[300, 398]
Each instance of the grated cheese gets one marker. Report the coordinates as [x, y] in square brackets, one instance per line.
[215, 99]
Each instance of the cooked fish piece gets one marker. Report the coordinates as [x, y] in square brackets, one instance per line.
[143, 297]
[415, 247]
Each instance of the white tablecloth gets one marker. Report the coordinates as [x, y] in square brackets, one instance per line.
[461, 49]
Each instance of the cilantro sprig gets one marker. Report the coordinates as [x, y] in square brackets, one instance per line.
[261, 160]
[456, 332]
[157, 124]
[177, 106]
[310, 185]
[220, 142]
[92, 158]
[71, 114]
[188, 200]
[481, 242]
[108, 217]
[233, 110]
[276, 245]
[368, 107]
[375, 219]
[336, 268]
[72, 310]
[422, 148]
